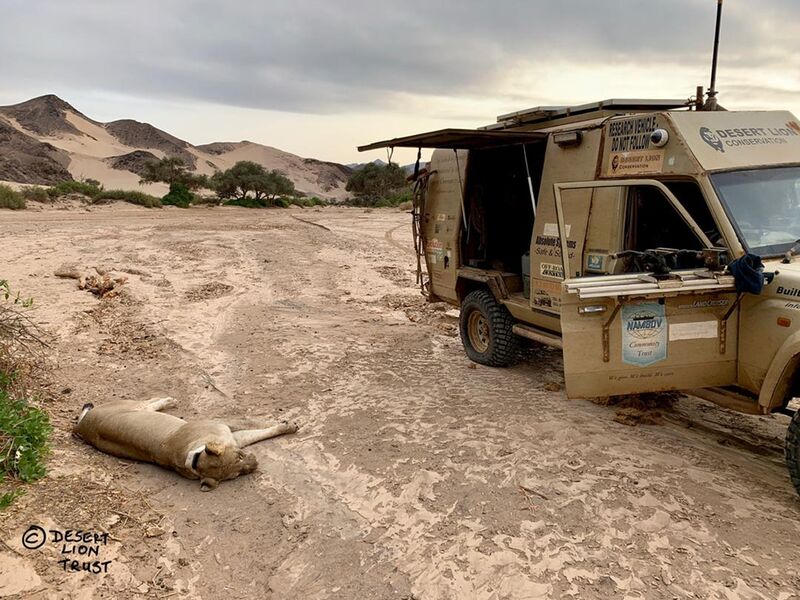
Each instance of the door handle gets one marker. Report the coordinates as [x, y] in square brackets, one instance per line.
[593, 309]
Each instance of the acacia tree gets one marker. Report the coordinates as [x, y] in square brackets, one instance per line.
[172, 170]
[375, 182]
[249, 179]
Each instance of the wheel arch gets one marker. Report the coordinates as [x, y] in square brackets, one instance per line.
[470, 281]
[464, 286]
[782, 376]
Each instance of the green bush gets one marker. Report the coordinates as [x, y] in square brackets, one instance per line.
[247, 202]
[24, 433]
[10, 199]
[374, 184]
[87, 188]
[35, 193]
[179, 195]
[24, 430]
[395, 199]
[305, 202]
[133, 197]
[199, 200]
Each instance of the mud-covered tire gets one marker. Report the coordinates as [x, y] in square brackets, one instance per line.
[485, 327]
[793, 450]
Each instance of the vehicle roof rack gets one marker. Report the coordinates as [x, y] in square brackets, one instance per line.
[547, 116]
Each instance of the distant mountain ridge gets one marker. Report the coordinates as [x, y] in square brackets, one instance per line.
[46, 140]
[409, 168]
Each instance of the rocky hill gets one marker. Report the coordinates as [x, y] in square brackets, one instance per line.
[46, 140]
[24, 159]
[143, 135]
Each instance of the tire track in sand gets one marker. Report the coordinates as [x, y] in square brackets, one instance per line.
[389, 237]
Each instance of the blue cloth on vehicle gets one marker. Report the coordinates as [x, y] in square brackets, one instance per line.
[748, 274]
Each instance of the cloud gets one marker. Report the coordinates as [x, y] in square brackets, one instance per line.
[331, 57]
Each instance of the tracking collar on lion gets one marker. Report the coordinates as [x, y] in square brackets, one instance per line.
[192, 458]
[208, 450]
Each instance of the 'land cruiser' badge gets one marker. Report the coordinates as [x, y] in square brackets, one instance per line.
[644, 333]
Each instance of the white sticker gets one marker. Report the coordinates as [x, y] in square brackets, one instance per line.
[551, 270]
[693, 331]
[551, 229]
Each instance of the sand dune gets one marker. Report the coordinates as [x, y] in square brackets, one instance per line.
[92, 150]
[309, 175]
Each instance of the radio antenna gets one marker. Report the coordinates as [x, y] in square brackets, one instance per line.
[711, 102]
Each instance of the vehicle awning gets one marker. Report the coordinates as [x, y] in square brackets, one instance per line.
[459, 139]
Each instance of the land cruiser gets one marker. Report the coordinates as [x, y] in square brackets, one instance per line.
[612, 231]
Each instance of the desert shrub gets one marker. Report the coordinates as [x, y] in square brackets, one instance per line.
[394, 199]
[35, 193]
[24, 428]
[133, 197]
[91, 189]
[10, 199]
[24, 433]
[21, 345]
[306, 202]
[282, 203]
[374, 184]
[247, 202]
[199, 200]
[171, 170]
[179, 195]
[64, 188]
[407, 205]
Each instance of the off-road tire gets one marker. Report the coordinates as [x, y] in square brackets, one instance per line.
[485, 327]
[793, 450]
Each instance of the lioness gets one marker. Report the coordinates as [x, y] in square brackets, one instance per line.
[206, 450]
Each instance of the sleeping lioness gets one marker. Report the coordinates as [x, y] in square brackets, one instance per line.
[210, 451]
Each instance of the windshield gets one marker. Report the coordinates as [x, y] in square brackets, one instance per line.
[765, 205]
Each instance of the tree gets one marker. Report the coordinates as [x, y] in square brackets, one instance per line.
[374, 182]
[171, 170]
[179, 195]
[247, 178]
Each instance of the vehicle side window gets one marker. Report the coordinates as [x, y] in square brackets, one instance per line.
[652, 222]
[691, 197]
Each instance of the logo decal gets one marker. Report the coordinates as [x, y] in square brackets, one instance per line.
[710, 138]
[595, 262]
[644, 334]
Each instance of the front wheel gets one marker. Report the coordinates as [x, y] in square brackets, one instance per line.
[793, 450]
[485, 327]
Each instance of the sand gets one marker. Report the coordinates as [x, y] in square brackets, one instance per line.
[416, 474]
[90, 148]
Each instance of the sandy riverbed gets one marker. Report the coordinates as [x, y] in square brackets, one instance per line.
[416, 474]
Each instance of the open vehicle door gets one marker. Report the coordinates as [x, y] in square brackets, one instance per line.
[636, 332]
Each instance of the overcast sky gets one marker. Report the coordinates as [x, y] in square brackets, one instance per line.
[319, 77]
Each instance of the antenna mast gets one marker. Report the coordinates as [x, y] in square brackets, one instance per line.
[711, 102]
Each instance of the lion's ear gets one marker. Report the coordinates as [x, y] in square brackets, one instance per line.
[215, 448]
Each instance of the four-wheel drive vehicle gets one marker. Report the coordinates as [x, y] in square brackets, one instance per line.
[607, 230]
